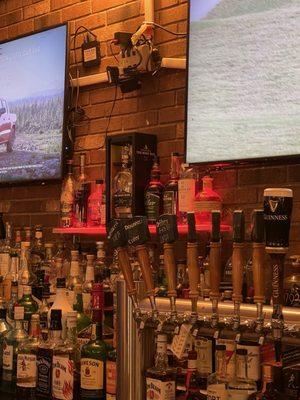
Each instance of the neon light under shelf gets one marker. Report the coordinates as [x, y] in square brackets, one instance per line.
[101, 230]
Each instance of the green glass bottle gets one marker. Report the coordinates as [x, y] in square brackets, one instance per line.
[30, 306]
[84, 322]
[93, 354]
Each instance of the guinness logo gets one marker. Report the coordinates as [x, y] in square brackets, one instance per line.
[273, 205]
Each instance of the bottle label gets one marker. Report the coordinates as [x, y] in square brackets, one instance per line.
[18, 313]
[103, 213]
[71, 297]
[95, 211]
[91, 374]
[253, 363]
[62, 377]
[8, 353]
[152, 202]
[170, 206]
[86, 299]
[180, 341]
[84, 336]
[4, 263]
[44, 364]
[203, 347]
[111, 378]
[239, 394]
[186, 194]
[123, 202]
[159, 390]
[217, 392]
[26, 370]
[230, 356]
[207, 206]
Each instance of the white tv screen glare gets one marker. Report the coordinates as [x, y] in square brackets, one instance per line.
[243, 98]
[32, 97]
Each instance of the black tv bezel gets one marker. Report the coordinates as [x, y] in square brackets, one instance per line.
[65, 140]
[228, 164]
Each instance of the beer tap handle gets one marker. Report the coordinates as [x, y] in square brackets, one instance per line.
[237, 254]
[144, 261]
[170, 265]
[126, 269]
[192, 258]
[215, 256]
[258, 255]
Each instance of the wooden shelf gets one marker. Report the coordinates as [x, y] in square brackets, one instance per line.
[101, 230]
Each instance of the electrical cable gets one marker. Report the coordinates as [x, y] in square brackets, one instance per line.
[165, 29]
[111, 50]
[109, 117]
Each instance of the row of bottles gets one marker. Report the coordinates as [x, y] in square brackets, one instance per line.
[60, 365]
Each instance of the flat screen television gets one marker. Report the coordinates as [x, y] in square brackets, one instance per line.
[32, 106]
[243, 98]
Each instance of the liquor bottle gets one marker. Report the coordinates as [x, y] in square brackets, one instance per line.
[103, 206]
[206, 201]
[111, 372]
[122, 196]
[11, 276]
[18, 241]
[100, 262]
[160, 379]
[2, 228]
[67, 197]
[269, 390]
[25, 276]
[94, 204]
[93, 354]
[74, 277]
[83, 320]
[64, 364]
[217, 381]
[193, 380]
[47, 265]
[45, 357]
[186, 192]
[4, 327]
[114, 270]
[27, 230]
[241, 387]
[5, 251]
[61, 254]
[44, 311]
[13, 301]
[37, 251]
[170, 196]
[154, 194]
[30, 306]
[253, 359]
[11, 342]
[26, 361]
[88, 284]
[162, 283]
[291, 384]
[61, 302]
[292, 282]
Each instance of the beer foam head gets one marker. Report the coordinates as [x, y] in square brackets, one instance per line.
[278, 192]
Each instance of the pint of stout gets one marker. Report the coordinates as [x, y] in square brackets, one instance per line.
[278, 204]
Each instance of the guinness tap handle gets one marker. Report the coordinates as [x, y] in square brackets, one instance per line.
[192, 256]
[237, 254]
[215, 255]
[258, 254]
[168, 234]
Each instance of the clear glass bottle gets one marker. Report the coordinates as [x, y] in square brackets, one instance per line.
[30, 306]
[217, 381]
[65, 359]
[45, 356]
[74, 278]
[206, 201]
[193, 379]
[62, 254]
[88, 284]
[94, 204]
[241, 387]
[170, 196]
[11, 276]
[47, 263]
[93, 354]
[154, 194]
[5, 251]
[114, 270]
[26, 361]
[67, 197]
[161, 378]
[25, 276]
[4, 327]
[18, 241]
[186, 192]
[44, 311]
[122, 196]
[37, 251]
[269, 390]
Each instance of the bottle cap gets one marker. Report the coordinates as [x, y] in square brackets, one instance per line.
[241, 352]
[220, 347]
[60, 283]
[55, 324]
[26, 289]
[74, 253]
[35, 317]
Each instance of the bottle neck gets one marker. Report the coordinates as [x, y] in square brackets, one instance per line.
[74, 269]
[221, 363]
[97, 331]
[174, 172]
[49, 253]
[241, 367]
[90, 273]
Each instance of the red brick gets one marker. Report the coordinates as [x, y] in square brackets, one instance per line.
[3, 33]
[160, 4]
[263, 175]
[156, 101]
[140, 120]
[21, 28]
[76, 11]
[42, 7]
[52, 205]
[14, 17]
[46, 220]
[173, 49]
[47, 20]
[93, 21]
[123, 12]
[102, 95]
[3, 20]
[181, 97]
[56, 4]
[162, 36]
[24, 206]
[97, 156]
[180, 130]
[99, 5]
[174, 14]
[225, 179]
[174, 80]
[164, 149]
[171, 114]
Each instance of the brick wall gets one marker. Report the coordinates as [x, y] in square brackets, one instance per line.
[157, 108]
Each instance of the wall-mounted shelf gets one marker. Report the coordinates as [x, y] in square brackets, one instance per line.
[101, 230]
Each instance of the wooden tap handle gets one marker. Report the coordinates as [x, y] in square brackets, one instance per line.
[125, 266]
[170, 265]
[237, 271]
[144, 261]
[215, 269]
[193, 269]
[258, 259]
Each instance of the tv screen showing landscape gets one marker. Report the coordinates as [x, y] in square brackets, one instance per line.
[32, 92]
[243, 80]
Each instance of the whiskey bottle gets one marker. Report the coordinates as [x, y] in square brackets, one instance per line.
[217, 381]
[26, 361]
[186, 192]
[74, 278]
[30, 306]
[11, 276]
[160, 379]
[193, 379]
[37, 251]
[61, 302]
[170, 196]
[45, 355]
[64, 363]
[93, 354]
[122, 196]
[67, 197]
[88, 284]
[4, 327]
[5, 251]
[83, 320]
[241, 387]
[154, 194]
[269, 390]
[111, 374]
